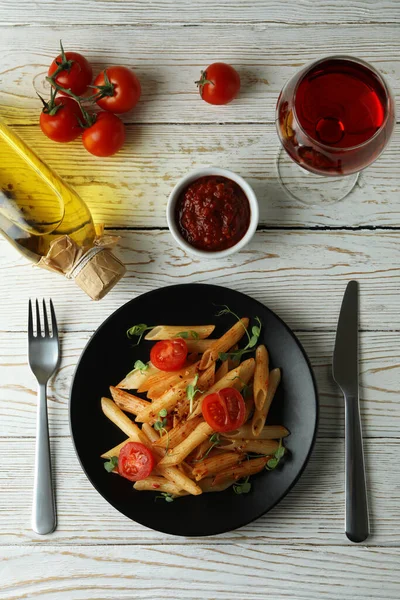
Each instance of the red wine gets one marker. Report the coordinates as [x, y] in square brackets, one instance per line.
[335, 117]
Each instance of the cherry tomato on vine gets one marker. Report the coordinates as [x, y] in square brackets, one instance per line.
[219, 84]
[169, 355]
[106, 136]
[224, 410]
[73, 72]
[60, 120]
[121, 89]
[135, 461]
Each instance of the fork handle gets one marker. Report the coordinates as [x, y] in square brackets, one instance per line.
[357, 521]
[43, 508]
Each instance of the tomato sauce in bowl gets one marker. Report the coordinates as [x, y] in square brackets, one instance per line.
[212, 213]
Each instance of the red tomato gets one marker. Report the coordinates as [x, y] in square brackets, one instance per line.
[63, 125]
[135, 461]
[77, 74]
[224, 410]
[121, 93]
[219, 84]
[169, 355]
[106, 136]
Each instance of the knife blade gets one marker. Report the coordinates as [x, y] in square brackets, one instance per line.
[345, 373]
[345, 356]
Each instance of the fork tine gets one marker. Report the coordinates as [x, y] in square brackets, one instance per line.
[53, 320]
[46, 323]
[38, 324]
[30, 320]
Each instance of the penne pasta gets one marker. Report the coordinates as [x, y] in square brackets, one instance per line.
[180, 479]
[128, 402]
[237, 378]
[206, 378]
[136, 378]
[150, 432]
[177, 434]
[260, 416]
[269, 432]
[117, 449]
[224, 343]
[168, 378]
[215, 464]
[249, 405]
[256, 446]
[207, 485]
[182, 450]
[115, 414]
[167, 401]
[261, 371]
[169, 332]
[199, 346]
[244, 469]
[233, 362]
[222, 371]
[155, 483]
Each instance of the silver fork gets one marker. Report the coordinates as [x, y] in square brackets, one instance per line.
[44, 356]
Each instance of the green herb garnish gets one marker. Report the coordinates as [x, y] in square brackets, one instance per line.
[165, 496]
[193, 335]
[191, 391]
[111, 464]
[162, 422]
[242, 487]
[252, 339]
[138, 331]
[215, 440]
[141, 366]
[274, 461]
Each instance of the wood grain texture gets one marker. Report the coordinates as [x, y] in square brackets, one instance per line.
[132, 188]
[379, 384]
[233, 571]
[168, 60]
[312, 513]
[299, 274]
[206, 11]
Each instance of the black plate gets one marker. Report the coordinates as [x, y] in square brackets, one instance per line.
[109, 355]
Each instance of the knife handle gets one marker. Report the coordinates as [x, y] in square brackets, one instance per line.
[357, 521]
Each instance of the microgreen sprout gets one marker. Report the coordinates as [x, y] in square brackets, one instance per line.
[138, 331]
[252, 338]
[215, 440]
[191, 392]
[242, 487]
[140, 366]
[274, 461]
[192, 335]
[111, 464]
[165, 496]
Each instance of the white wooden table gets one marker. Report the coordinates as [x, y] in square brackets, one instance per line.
[298, 264]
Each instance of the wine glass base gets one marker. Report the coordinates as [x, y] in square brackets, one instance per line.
[308, 188]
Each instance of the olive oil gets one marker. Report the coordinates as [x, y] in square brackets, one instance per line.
[36, 206]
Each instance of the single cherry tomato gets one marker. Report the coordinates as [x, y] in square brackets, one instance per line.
[75, 73]
[61, 120]
[169, 355]
[106, 136]
[121, 89]
[135, 461]
[224, 410]
[219, 84]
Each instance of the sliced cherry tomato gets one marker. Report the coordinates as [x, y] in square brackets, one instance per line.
[169, 355]
[224, 410]
[219, 84]
[106, 136]
[63, 125]
[121, 88]
[76, 74]
[135, 461]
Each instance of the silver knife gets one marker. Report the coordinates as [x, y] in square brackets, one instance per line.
[345, 373]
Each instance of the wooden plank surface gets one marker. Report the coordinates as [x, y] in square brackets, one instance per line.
[170, 11]
[299, 274]
[233, 571]
[132, 188]
[169, 60]
[379, 380]
[312, 513]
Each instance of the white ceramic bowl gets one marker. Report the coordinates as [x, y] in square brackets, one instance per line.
[193, 176]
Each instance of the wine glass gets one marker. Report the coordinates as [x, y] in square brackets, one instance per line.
[334, 118]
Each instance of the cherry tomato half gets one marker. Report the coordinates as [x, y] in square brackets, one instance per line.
[63, 126]
[106, 136]
[224, 410]
[135, 461]
[169, 355]
[219, 84]
[77, 74]
[124, 89]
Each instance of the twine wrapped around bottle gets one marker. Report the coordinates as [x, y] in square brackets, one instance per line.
[96, 270]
